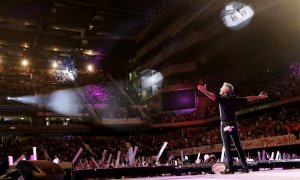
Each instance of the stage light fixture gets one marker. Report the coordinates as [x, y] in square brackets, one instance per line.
[236, 15]
[89, 52]
[54, 65]
[24, 62]
[90, 68]
[26, 45]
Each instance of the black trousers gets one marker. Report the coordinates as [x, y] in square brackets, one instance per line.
[234, 136]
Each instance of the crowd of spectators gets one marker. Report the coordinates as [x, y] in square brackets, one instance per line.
[211, 111]
[66, 121]
[117, 105]
[15, 121]
[66, 147]
[179, 117]
[14, 81]
[264, 124]
[27, 81]
[118, 112]
[92, 87]
[109, 102]
[281, 87]
[182, 81]
[63, 75]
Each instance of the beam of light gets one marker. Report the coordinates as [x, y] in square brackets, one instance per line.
[68, 101]
[237, 15]
[65, 102]
[33, 100]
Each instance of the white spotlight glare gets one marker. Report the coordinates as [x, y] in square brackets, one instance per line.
[26, 45]
[24, 62]
[90, 68]
[237, 15]
[54, 65]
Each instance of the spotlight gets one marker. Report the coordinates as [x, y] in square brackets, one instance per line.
[26, 45]
[54, 65]
[88, 52]
[24, 62]
[90, 68]
[8, 98]
[237, 15]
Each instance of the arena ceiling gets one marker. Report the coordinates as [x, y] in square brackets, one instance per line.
[47, 29]
[43, 29]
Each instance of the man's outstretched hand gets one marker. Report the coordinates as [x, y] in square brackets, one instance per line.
[263, 95]
[202, 88]
[210, 95]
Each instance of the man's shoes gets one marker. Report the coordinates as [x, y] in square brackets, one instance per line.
[243, 171]
[228, 171]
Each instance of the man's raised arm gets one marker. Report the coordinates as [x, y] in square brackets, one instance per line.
[210, 95]
[262, 95]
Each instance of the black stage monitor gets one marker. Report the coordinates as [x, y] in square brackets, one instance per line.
[40, 169]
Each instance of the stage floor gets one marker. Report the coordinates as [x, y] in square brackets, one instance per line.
[290, 174]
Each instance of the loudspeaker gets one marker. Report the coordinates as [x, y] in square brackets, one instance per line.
[3, 167]
[11, 175]
[40, 169]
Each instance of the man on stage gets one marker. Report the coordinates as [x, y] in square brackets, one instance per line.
[227, 106]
